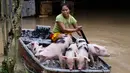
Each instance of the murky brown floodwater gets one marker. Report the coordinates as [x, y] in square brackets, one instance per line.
[110, 30]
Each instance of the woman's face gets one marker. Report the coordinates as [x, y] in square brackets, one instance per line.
[65, 11]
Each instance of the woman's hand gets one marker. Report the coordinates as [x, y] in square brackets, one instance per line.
[78, 28]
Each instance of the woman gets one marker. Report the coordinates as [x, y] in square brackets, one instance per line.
[63, 23]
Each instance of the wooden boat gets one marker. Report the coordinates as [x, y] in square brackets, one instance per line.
[32, 64]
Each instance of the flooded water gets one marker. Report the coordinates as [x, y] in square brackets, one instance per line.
[107, 29]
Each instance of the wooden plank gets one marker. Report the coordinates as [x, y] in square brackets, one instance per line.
[46, 8]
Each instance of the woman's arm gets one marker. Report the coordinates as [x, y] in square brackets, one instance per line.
[75, 26]
[66, 30]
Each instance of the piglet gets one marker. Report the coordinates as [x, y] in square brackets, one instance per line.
[98, 50]
[81, 43]
[55, 50]
[70, 56]
[34, 46]
[82, 56]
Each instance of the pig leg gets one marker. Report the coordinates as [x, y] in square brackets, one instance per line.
[43, 58]
[87, 66]
[92, 63]
[97, 62]
[92, 59]
[62, 62]
[75, 64]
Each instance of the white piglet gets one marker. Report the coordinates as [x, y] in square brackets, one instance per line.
[34, 47]
[93, 49]
[55, 50]
[83, 52]
[98, 50]
[70, 56]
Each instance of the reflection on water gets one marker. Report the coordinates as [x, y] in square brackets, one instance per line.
[110, 30]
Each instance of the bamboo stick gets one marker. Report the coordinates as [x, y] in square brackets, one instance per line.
[10, 12]
[3, 26]
[6, 16]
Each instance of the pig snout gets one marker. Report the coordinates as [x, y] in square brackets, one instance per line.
[70, 66]
[69, 61]
[70, 69]
[79, 68]
[107, 55]
[103, 52]
[82, 62]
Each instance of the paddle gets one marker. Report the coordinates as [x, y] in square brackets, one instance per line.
[83, 35]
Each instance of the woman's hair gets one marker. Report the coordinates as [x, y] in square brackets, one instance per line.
[66, 4]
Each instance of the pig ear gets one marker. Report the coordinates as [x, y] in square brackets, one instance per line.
[37, 54]
[64, 57]
[40, 46]
[97, 49]
[86, 58]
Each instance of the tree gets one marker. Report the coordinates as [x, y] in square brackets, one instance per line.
[11, 29]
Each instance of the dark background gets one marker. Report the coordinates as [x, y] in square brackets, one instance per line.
[91, 5]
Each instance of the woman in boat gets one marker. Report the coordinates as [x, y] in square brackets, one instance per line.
[63, 23]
